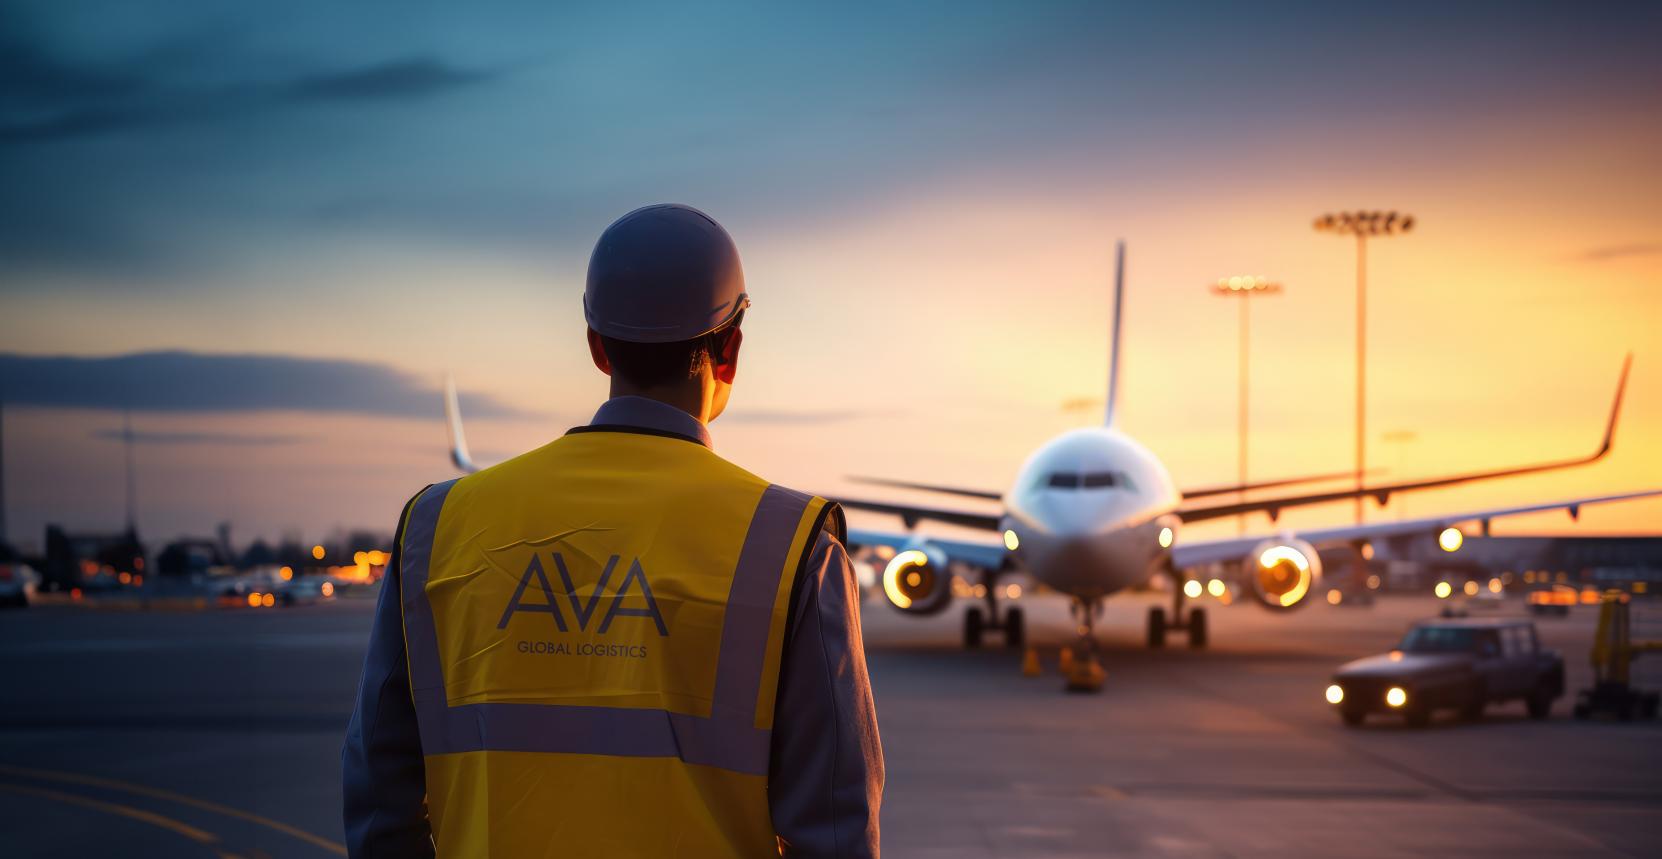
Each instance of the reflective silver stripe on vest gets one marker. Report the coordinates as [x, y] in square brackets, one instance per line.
[421, 641]
[728, 739]
[744, 645]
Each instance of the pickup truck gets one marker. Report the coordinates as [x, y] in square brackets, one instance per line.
[1463, 664]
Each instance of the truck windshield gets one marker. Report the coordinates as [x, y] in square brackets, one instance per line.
[1439, 639]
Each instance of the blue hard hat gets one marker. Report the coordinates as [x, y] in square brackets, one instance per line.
[662, 274]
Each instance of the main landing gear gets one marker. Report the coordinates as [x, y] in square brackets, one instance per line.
[1159, 624]
[977, 622]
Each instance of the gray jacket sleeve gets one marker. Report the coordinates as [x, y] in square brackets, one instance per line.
[383, 778]
[826, 783]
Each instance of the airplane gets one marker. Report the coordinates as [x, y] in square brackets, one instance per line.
[1093, 512]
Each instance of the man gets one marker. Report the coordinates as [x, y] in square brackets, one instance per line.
[620, 644]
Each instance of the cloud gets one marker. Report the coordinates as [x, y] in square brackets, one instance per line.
[72, 102]
[201, 383]
[1609, 252]
[413, 77]
[34, 75]
[194, 438]
[806, 416]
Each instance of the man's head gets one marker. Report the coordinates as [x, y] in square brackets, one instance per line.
[684, 373]
[664, 300]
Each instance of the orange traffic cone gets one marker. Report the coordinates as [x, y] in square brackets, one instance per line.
[1030, 663]
[1065, 662]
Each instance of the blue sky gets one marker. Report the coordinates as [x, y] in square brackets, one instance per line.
[178, 139]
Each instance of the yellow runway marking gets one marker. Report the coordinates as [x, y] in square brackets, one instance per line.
[151, 818]
[171, 796]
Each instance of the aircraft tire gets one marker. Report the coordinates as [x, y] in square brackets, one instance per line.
[974, 623]
[1197, 629]
[1156, 627]
[1015, 629]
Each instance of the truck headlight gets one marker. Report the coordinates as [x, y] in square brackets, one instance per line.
[1396, 696]
[1335, 695]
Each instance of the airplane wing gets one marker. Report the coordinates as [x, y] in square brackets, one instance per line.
[912, 514]
[1382, 493]
[986, 556]
[931, 487]
[1188, 555]
[1200, 492]
[1205, 491]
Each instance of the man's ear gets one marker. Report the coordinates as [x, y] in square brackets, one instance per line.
[726, 360]
[597, 351]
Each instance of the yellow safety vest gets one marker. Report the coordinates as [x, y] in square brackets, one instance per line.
[594, 632]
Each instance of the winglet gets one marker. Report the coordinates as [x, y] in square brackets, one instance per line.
[1615, 408]
[453, 422]
[1114, 337]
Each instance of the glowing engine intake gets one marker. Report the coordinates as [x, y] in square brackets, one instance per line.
[1282, 572]
[917, 581]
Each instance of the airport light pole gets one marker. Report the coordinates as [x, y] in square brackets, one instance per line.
[1363, 225]
[1401, 438]
[1243, 288]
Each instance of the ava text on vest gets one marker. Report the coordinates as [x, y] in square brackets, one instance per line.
[583, 611]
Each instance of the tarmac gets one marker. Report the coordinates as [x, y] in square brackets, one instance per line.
[217, 733]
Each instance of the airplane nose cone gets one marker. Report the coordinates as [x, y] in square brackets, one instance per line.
[1095, 564]
[1058, 559]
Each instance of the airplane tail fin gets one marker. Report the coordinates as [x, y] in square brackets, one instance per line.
[453, 422]
[1114, 337]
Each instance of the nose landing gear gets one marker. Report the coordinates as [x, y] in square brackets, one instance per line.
[1084, 671]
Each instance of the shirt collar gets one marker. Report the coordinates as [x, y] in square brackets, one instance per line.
[647, 413]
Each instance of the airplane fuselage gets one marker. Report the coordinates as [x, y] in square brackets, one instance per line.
[1092, 513]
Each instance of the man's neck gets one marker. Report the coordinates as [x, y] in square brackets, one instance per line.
[687, 398]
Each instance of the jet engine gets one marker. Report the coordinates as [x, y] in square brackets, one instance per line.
[1282, 572]
[917, 581]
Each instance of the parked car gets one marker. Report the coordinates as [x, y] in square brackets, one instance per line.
[1451, 663]
[17, 584]
[306, 590]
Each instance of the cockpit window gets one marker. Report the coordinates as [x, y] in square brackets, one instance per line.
[1088, 480]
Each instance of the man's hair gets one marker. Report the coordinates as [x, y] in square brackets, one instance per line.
[649, 365]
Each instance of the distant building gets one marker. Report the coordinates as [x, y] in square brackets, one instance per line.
[1418, 562]
[258, 554]
[1582, 560]
[90, 561]
[191, 557]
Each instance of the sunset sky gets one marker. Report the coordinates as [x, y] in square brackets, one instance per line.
[330, 206]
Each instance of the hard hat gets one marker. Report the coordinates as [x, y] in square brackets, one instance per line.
[662, 274]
